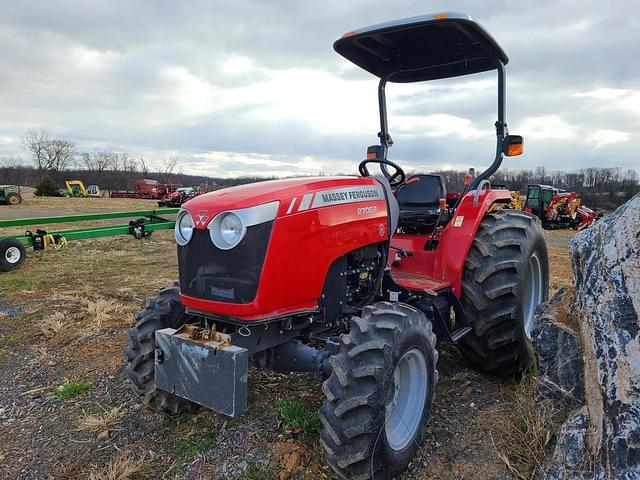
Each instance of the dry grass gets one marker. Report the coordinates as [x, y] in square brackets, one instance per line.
[100, 310]
[524, 429]
[101, 422]
[52, 324]
[123, 467]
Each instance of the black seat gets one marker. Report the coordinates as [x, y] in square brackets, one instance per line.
[420, 195]
[419, 201]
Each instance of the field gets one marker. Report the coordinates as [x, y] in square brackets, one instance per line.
[66, 410]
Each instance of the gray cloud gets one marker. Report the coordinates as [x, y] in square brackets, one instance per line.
[162, 78]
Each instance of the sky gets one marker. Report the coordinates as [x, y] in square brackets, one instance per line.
[255, 88]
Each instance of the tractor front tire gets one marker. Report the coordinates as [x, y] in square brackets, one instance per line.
[162, 311]
[506, 276]
[380, 391]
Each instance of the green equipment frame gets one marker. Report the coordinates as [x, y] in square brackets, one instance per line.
[152, 220]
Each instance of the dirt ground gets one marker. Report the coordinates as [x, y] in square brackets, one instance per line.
[63, 319]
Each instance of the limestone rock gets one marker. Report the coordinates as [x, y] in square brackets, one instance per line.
[559, 352]
[606, 305]
[570, 459]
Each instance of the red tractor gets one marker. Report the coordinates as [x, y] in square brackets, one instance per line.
[179, 196]
[352, 277]
[558, 208]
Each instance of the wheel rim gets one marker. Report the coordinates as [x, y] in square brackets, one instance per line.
[532, 293]
[12, 255]
[403, 414]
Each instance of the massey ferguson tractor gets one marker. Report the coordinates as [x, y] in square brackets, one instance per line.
[353, 278]
[558, 208]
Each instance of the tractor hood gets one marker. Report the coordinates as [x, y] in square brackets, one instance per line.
[295, 195]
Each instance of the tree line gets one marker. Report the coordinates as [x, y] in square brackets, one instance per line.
[60, 159]
[599, 187]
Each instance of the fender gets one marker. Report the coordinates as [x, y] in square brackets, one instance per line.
[458, 236]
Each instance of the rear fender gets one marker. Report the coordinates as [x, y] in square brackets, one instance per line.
[458, 235]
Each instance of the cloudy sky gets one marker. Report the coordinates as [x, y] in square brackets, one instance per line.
[248, 87]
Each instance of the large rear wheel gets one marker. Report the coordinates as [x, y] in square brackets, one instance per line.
[162, 311]
[379, 393]
[506, 276]
[14, 199]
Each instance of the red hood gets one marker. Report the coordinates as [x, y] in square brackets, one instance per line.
[284, 191]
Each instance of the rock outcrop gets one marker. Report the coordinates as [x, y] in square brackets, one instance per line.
[589, 353]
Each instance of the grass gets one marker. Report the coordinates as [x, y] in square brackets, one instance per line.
[71, 390]
[191, 447]
[524, 429]
[104, 421]
[51, 325]
[296, 415]
[123, 467]
[16, 282]
[101, 309]
[254, 471]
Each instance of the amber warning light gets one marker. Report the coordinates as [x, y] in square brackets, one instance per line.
[513, 145]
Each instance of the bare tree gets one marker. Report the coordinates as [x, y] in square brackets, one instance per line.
[128, 164]
[60, 154]
[168, 166]
[50, 155]
[144, 166]
[36, 142]
[97, 162]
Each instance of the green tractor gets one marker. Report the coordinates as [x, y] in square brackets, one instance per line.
[10, 195]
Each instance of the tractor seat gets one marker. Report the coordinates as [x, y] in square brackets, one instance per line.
[419, 197]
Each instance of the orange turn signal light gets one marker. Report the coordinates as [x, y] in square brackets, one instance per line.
[441, 16]
[467, 179]
[371, 155]
[443, 203]
[513, 146]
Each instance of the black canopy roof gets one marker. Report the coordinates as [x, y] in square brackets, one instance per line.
[422, 48]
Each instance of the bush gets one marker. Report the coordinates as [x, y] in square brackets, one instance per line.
[46, 188]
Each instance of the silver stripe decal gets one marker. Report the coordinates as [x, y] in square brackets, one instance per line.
[337, 196]
[291, 205]
[306, 201]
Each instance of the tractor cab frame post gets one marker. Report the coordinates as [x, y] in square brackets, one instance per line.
[502, 130]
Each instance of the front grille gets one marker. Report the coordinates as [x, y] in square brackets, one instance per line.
[232, 276]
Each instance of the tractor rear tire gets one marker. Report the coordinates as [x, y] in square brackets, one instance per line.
[12, 254]
[380, 391]
[14, 199]
[506, 276]
[161, 311]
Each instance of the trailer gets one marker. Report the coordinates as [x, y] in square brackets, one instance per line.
[141, 224]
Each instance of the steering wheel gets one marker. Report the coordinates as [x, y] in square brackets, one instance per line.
[395, 178]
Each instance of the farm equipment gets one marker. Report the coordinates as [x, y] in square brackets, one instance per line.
[352, 278]
[76, 188]
[13, 248]
[10, 195]
[558, 208]
[146, 188]
[181, 195]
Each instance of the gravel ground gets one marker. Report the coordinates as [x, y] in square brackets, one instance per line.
[92, 289]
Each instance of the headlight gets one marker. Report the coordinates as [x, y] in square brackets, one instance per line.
[231, 231]
[228, 229]
[184, 228]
